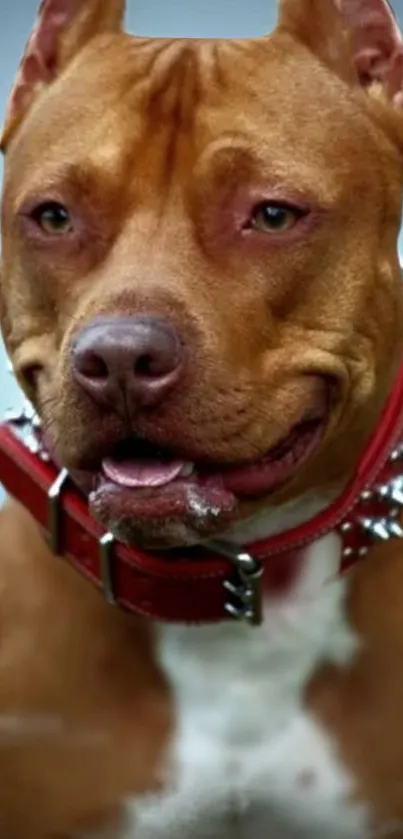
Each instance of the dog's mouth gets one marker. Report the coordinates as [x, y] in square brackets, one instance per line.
[137, 464]
[146, 494]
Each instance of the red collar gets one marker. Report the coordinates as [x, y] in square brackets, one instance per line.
[209, 584]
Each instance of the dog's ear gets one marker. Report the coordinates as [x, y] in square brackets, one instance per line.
[62, 29]
[377, 44]
[320, 26]
[359, 39]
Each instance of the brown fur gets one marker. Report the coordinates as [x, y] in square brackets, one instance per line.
[85, 711]
[159, 147]
[361, 705]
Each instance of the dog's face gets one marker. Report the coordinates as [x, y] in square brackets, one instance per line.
[200, 284]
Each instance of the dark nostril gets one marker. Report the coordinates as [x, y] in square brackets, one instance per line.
[154, 365]
[92, 366]
[145, 366]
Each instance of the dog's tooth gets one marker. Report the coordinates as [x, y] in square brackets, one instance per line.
[187, 470]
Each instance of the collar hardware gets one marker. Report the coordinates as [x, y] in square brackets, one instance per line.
[106, 557]
[392, 492]
[55, 512]
[381, 529]
[217, 580]
[244, 585]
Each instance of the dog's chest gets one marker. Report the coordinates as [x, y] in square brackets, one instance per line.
[249, 759]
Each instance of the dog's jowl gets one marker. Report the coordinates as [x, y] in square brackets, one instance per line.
[201, 297]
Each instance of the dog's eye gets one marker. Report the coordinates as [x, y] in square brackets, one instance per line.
[52, 218]
[270, 217]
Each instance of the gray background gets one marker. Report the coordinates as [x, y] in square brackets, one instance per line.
[202, 18]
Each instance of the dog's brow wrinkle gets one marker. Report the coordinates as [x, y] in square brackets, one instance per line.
[184, 69]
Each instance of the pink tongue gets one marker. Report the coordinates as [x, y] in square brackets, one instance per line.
[142, 473]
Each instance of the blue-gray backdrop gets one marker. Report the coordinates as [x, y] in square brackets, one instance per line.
[169, 18]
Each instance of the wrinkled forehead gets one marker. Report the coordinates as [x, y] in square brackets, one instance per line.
[263, 107]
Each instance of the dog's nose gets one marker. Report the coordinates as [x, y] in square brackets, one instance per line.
[124, 361]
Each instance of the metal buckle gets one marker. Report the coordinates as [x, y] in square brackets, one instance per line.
[26, 419]
[106, 542]
[56, 512]
[106, 554]
[244, 585]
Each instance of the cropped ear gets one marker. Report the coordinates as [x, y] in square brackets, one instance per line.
[62, 29]
[320, 26]
[359, 39]
[377, 44]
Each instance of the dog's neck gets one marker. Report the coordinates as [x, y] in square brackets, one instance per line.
[272, 521]
[197, 585]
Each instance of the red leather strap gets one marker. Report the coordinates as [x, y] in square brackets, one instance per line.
[191, 589]
[146, 584]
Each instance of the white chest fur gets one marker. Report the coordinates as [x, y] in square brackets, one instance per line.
[250, 761]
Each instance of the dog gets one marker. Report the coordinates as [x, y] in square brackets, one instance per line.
[201, 298]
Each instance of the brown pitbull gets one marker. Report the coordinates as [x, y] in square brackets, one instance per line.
[201, 295]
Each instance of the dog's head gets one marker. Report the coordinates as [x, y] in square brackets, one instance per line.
[201, 288]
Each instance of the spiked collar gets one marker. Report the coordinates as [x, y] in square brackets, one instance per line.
[217, 581]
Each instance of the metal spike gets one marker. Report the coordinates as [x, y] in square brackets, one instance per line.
[20, 416]
[33, 445]
[392, 491]
[29, 410]
[36, 422]
[396, 495]
[395, 529]
[397, 454]
[376, 528]
[346, 527]
[16, 416]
